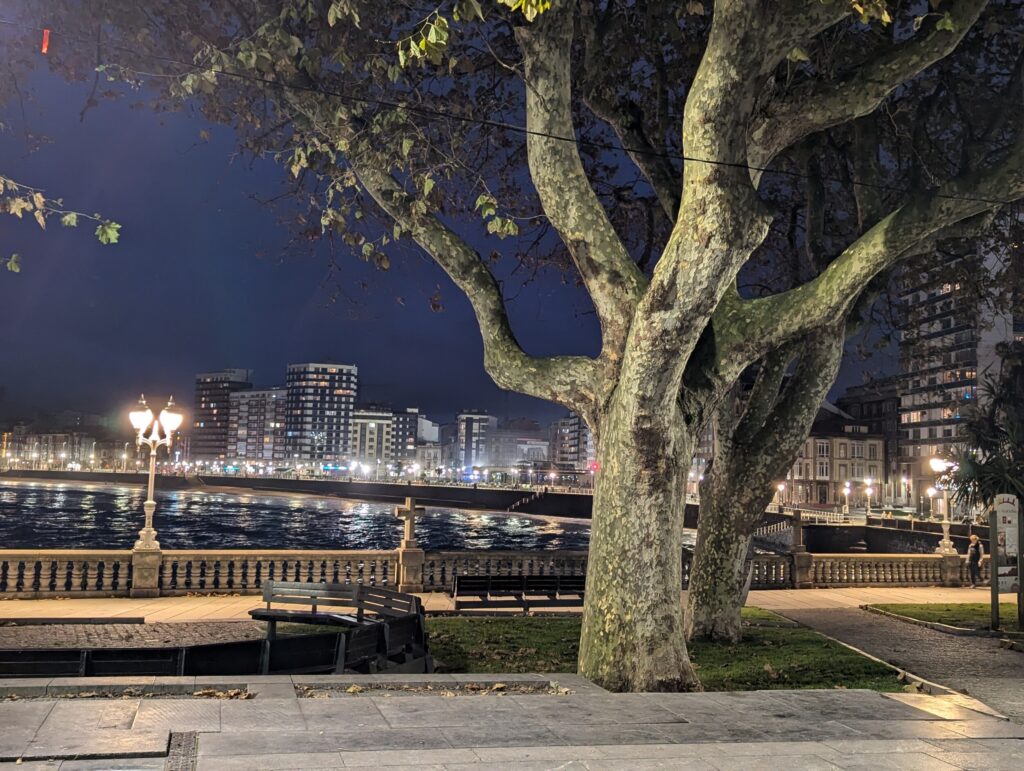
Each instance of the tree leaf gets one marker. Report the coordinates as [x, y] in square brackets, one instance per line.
[40, 218]
[14, 264]
[428, 185]
[38, 200]
[108, 232]
[406, 147]
[69, 220]
[946, 23]
[797, 54]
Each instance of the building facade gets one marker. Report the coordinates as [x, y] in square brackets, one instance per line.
[572, 444]
[472, 437]
[211, 412]
[256, 426]
[947, 349]
[321, 399]
[877, 405]
[373, 437]
[840, 453]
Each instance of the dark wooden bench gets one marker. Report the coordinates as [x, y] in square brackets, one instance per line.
[522, 592]
[345, 605]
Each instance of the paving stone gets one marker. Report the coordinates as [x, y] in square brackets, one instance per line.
[905, 729]
[987, 729]
[620, 709]
[501, 736]
[608, 734]
[65, 685]
[151, 635]
[871, 746]
[110, 743]
[982, 761]
[110, 764]
[529, 765]
[394, 739]
[901, 761]
[37, 765]
[516, 754]
[759, 749]
[272, 690]
[23, 715]
[964, 745]
[438, 711]
[14, 742]
[388, 758]
[684, 764]
[80, 715]
[244, 715]
[178, 715]
[15, 686]
[273, 762]
[335, 714]
[793, 763]
[263, 742]
[864, 705]
[182, 685]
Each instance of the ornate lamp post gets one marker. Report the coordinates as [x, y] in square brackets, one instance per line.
[143, 421]
[940, 466]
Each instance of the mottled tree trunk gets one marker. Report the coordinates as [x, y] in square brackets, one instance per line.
[633, 618]
[718, 576]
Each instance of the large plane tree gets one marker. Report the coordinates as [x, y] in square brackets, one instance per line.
[430, 124]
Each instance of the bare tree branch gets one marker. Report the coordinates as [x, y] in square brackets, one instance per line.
[614, 282]
[816, 106]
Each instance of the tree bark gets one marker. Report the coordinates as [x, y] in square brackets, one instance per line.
[718, 576]
[633, 615]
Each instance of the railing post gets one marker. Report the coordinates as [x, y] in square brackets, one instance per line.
[803, 570]
[146, 571]
[949, 570]
[410, 556]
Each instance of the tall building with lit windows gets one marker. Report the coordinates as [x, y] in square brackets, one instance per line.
[256, 426]
[212, 411]
[947, 349]
[321, 399]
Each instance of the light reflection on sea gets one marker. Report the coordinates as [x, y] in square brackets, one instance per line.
[48, 515]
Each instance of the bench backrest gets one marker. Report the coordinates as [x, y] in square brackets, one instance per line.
[370, 599]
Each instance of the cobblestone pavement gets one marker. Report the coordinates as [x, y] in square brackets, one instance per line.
[973, 665]
[128, 635]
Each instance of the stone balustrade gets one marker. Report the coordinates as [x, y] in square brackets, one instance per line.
[190, 572]
[34, 573]
[29, 573]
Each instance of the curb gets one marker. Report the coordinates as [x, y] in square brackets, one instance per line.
[957, 631]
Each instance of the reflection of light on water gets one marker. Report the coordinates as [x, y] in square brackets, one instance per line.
[76, 517]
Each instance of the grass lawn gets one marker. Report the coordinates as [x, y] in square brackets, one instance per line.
[770, 656]
[975, 615]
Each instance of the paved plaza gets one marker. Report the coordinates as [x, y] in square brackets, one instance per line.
[228, 607]
[432, 722]
[452, 729]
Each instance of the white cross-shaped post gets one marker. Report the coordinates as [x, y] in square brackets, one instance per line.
[408, 514]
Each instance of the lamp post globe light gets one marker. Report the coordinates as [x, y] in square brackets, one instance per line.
[149, 434]
[940, 467]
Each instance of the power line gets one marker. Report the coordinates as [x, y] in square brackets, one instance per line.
[442, 114]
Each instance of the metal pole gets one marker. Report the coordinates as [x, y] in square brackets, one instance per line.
[993, 564]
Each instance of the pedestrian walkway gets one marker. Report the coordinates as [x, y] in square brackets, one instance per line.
[575, 726]
[972, 665]
[223, 608]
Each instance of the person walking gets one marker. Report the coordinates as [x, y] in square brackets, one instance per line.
[975, 551]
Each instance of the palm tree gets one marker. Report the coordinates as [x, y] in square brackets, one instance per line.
[991, 462]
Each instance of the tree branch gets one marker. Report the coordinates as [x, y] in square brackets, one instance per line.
[816, 106]
[612, 279]
[567, 380]
[602, 93]
[795, 312]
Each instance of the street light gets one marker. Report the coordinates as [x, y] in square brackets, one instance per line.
[142, 421]
[940, 466]
[846, 498]
[868, 491]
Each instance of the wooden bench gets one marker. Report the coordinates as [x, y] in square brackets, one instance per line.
[382, 630]
[522, 592]
[364, 604]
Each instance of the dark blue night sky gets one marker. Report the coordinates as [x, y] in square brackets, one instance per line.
[200, 281]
